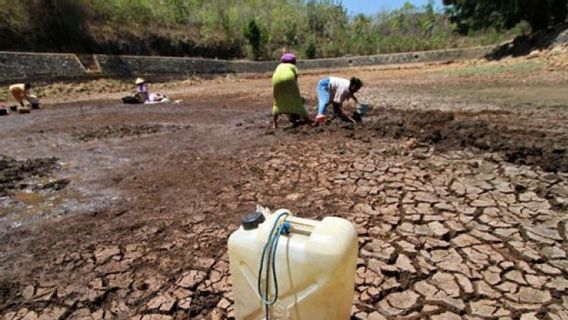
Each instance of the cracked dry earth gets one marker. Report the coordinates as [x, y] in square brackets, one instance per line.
[452, 224]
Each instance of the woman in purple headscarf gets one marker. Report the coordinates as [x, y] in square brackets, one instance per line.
[287, 98]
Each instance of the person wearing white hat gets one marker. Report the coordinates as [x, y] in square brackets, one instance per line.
[142, 90]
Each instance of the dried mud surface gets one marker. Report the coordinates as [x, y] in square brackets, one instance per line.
[460, 206]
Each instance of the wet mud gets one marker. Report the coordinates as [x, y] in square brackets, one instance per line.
[456, 131]
[120, 131]
[14, 172]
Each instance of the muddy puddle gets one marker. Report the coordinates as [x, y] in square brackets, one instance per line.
[13, 172]
[25, 206]
[29, 191]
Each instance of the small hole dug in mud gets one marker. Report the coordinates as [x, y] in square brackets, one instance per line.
[109, 132]
[14, 172]
[454, 131]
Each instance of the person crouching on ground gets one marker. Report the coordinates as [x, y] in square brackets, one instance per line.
[287, 98]
[335, 91]
[21, 92]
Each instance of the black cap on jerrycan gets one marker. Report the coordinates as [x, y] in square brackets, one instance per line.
[252, 220]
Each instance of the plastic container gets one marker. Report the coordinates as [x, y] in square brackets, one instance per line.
[34, 101]
[315, 268]
[362, 109]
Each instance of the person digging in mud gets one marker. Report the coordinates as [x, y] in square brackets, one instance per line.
[21, 92]
[286, 93]
[335, 91]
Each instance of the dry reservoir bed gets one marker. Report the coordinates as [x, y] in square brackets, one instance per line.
[457, 184]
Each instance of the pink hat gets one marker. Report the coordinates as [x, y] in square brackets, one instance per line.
[288, 58]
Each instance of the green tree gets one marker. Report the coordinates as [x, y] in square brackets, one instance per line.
[311, 50]
[316, 19]
[291, 33]
[363, 36]
[257, 28]
[254, 36]
[505, 14]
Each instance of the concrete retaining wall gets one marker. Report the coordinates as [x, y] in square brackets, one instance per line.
[36, 66]
[16, 66]
[397, 58]
[424, 56]
[137, 65]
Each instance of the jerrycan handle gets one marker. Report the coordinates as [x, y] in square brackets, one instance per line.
[299, 226]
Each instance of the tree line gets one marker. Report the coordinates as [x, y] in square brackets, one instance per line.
[259, 29]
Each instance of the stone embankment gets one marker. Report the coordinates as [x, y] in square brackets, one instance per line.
[16, 66]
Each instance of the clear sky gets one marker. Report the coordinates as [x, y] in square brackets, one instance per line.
[374, 6]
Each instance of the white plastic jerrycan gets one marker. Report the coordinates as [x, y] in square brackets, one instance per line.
[310, 267]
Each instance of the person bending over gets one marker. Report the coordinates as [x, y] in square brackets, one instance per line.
[286, 93]
[335, 91]
[21, 92]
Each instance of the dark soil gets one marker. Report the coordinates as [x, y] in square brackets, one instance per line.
[454, 131]
[121, 131]
[53, 185]
[13, 172]
[204, 303]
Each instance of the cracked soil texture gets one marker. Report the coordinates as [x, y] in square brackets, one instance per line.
[460, 204]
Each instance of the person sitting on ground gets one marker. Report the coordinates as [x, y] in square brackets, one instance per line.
[142, 90]
[335, 91]
[286, 93]
[21, 92]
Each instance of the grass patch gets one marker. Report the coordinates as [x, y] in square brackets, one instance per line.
[491, 69]
[549, 95]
